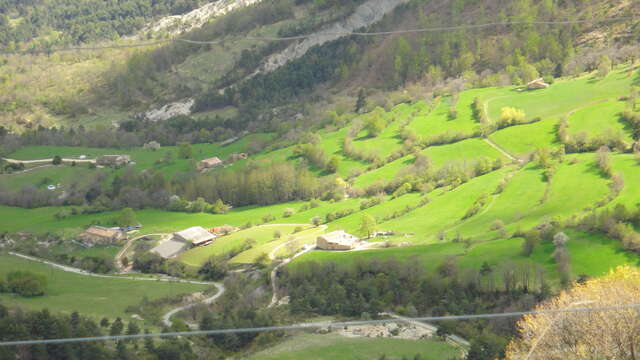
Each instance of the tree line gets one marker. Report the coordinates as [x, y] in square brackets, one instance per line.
[368, 287]
[16, 324]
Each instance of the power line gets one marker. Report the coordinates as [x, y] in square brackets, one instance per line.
[319, 325]
[332, 34]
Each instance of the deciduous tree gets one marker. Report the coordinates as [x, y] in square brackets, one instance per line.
[585, 335]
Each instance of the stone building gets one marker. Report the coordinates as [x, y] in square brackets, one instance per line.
[337, 240]
[99, 235]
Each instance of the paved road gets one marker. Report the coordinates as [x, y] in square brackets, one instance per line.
[166, 319]
[15, 161]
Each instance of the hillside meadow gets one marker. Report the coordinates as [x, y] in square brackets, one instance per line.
[96, 297]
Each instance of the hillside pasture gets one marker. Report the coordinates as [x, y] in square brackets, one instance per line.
[445, 209]
[97, 297]
[251, 237]
[601, 118]
[437, 122]
[144, 159]
[42, 176]
[466, 150]
[591, 254]
[562, 97]
[523, 139]
[629, 168]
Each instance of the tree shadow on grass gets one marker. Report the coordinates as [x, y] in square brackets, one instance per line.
[594, 169]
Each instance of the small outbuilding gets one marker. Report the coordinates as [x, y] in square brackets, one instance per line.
[196, 236]
[237, 157]
[99, 235]
[337, 240]
[537, 84]
[210, 163]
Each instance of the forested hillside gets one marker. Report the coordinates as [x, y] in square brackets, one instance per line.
[59, 22]
[485, 56]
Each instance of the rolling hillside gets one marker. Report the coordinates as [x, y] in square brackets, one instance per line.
[485, 154]
[450, 197]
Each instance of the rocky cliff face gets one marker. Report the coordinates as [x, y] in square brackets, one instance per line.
[179, 24]
[366, 14]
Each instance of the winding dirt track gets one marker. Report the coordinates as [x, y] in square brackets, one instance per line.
[166, 319]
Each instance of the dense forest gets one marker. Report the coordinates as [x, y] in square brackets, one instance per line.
[369, 287]
[63, 21]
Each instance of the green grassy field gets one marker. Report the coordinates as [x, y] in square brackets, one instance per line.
[98, 297]
[523, 139]
[590, 254]
[628, 167]
[153, 221]
[444, 210]
[331, 346]
[41, 177]
[598, 119]
[574, 188]
[466, 150]
[144, 159]
[437, 122]
[563, 96]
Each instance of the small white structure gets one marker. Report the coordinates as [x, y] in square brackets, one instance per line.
[51, 187]
[196, 236]
[337, 240]
[537, 84]
[83, 157]
[210, 163]
[183, 240]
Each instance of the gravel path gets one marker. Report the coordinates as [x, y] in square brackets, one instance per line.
[166, 319]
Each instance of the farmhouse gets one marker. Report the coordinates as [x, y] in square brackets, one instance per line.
[210, 163]
[537, 84]
[101, 235]
[337, 240]
[196, 236]
[113, 160]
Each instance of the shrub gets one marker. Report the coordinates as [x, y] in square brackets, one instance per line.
[316, 220]
[288, 212]
[497, 225]
[26, 283]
